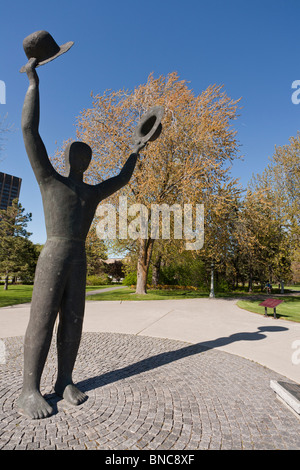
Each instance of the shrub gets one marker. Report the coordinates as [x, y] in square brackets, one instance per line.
[97, 280]
[130, 279]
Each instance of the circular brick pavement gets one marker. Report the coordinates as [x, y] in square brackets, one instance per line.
[152, 394]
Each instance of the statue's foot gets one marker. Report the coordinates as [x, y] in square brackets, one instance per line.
[70, 393]
[33, 405]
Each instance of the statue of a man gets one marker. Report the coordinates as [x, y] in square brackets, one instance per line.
[60, 278]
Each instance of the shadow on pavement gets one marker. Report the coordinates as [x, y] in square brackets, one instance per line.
[161, 359]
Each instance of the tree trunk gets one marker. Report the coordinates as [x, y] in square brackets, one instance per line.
[250, 282]
[156, 271]
[6, 283]
[145, 253]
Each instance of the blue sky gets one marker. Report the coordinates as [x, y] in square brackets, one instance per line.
[250, 47]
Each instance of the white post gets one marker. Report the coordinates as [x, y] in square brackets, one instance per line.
[212, 283]
[2, 352]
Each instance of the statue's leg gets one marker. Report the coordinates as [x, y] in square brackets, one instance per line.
[69, 333]
[47, 293]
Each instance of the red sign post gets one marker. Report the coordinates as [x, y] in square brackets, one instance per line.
[270, 303]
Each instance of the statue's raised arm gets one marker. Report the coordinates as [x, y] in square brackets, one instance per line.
[111, 185]
[34, 145]
[148, 129]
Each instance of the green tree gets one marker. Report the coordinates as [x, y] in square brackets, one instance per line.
[221, 210]
[18, 255]
[282, 180]
[95, 252]
[263, 243]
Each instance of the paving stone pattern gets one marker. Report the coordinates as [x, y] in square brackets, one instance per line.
[152, 394]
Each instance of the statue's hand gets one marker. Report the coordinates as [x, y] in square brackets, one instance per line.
[138, 146]
[30, 70]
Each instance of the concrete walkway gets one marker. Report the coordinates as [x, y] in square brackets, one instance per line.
[215, 323]
[104, 289]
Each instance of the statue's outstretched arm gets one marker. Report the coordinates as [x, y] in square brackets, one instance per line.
[111, 185]
[34, 145]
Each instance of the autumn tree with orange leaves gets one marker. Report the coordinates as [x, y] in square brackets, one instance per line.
[191, 158]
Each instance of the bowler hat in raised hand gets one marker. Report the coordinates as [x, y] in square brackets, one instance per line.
[43, 47]
[149, 127]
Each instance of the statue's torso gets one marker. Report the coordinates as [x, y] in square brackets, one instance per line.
[69, 207]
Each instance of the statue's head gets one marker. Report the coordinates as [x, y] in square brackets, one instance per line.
[77, 157]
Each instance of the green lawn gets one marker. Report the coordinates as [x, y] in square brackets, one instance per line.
[288, 310]
[15, 294]
[127, 293]
[295, 287]
[88, 288]
[20, 294]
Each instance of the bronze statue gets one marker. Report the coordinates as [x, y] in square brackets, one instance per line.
[69, 208]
